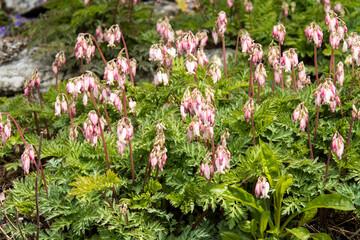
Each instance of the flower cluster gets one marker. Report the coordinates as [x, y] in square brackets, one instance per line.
[337, 29]
[279, 32]
[289, 59]
[202, 110]
[301, 114]
[214, 72]
[158, 153]
[337, 145]
[249, 109]
[221, 23]
[113, 35]
[248, 6]
[30, 83]
[302, 78]
[84, 48]
[191, 64]
[273, 55]
[326, 93]
[340, 73]
[230, 3]
[222, 159]
[224, 137]
[59, 61]
[161, 77]
[91, 127]
[124, 132]
[207, 168]
[262, 187]
[355, 113]
[111, 98]
[99, 33]
[256, 52]
[285, 8]
[278, 73]
[60, 105]
[338, 7]
[165, 30]
[246, 42]
[314, 34]
[260, 74]
[27, 157]
[355, 51]
[5, 131]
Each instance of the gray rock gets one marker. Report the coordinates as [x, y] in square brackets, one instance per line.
[218, 53]
[22, 6]
[13, 74]
[165, 8]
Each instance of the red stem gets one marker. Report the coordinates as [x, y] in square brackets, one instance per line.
[107, 117]
[157, 172]
[315, 62]
[224, 55]
[82, 65]
[17, 126]
[310, 146]
[347, 145]
[251, 87]
[116, 10]
[274, 83]
[294, 78]
[253, 129]
[36, 190]
[258, 97]
[128, 59]
[41, 104]
[213, 155]
[237, 44]
[334, 67]
[316, 121]
[354, 77]
[56, 83]
[97, 46]
[71, 121]
[108, 201]
[131, 155]
[331, 58]
[36, 123]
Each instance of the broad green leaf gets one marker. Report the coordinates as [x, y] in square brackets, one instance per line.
[334, 201]
[230, 236]
[280, 188]
[269, 163]
[307, 216]
[236, 194]
[321, 236]
[245, 226]
[264, 219]
[301, 233]
[253, 228]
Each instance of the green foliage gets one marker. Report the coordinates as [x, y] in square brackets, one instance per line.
[168, 204]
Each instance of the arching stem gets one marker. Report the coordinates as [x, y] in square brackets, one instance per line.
[71, 120]
[315, 62]
[128, 59]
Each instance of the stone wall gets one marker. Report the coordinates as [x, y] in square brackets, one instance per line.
[22, 6]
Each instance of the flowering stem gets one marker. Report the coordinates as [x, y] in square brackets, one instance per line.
[251, 86]
[331, 61]
[274, 83]
[354, 77]
[56, 82]
[294, 78]
[107, 117]
[104, 143]
[237, 12]
[195, 77]
[146, 169]
[315, 62]
[333, 66]
[82, 66]
[116, 10]
[45, 121]
[17, 221]
[128, 59]
[280, 48]
[42, 172]
[97, 46]
[213, 155]
[36, 189]
[250, 20]
[200, 218]
[327, 166]
[131, 155]
[71, 121]
[224, 55]
[17, 126]
[237, 44]
[157, 173]
[347, 145]
[316, 121]
[36, 123]
[253, 129]
[310, 146]
[258, 97]
[108, 201]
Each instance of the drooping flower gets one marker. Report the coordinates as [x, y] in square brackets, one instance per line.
[337, 145]
[260, 74]
[301, 114]
[248, 109]
[340, 73]
[262, 188]
[279, 32]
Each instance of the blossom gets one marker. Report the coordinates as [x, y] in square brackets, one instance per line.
[301, 114]
[113, 35]
[248, 109]
[337, 145]
[340, 73]
[279, 32]
[262, 187]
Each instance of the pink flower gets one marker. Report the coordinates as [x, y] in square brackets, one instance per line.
[191, 66]
[279, 32]
[248, 109]
[201, 57]
[337, 145]
[340, 73]
[260, 74]
[57, 107]
[215, 36]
